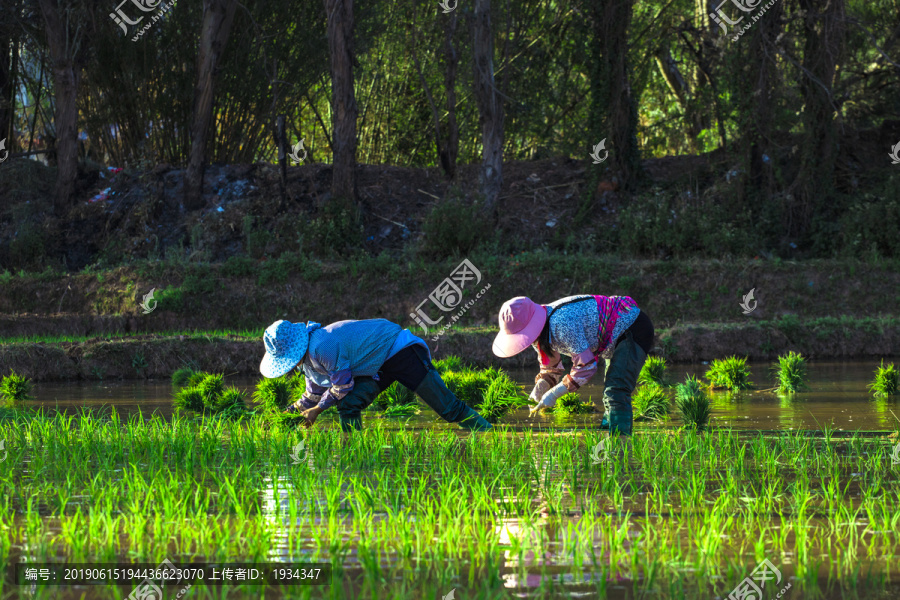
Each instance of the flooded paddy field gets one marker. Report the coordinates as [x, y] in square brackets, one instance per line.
[411, 508]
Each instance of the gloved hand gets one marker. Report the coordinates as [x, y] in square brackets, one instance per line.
[540, 388]
[549, 399]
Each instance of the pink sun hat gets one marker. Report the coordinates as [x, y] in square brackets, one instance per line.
[521, 322]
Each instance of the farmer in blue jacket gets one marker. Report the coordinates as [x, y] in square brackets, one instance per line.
[349, 363]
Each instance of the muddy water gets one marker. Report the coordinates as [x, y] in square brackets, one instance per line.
[837, 398]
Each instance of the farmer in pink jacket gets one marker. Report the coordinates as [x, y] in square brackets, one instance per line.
[586, 328]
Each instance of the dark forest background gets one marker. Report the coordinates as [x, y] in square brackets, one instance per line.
[798, 115]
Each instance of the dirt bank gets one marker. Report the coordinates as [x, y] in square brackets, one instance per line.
[157, 356]
[251, 295]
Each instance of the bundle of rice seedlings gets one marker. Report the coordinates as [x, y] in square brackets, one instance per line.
[571, 404]
[791, 372]
[654, 372]
[886, 382]
[732, 373]
[468, 386]
[693, 402]
[450, 363]
[211, 388]
[650, 402]
[15, 389]
[274, 394]
[189, 398]
[501, 395]
[182, 376]
[396, 395]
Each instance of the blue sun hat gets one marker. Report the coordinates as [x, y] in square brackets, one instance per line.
[286, 343]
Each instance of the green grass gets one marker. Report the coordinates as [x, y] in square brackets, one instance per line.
[731, 373]
[886, 382]
[791, 372]
[649, 401]
[693, 403]
[15, 390]
[654, 372]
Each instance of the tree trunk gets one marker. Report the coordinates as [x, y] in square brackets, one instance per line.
[64, 45]
[451, 58]
[490, 107]
[760, 84]
[613, 107]
[824, 32]
[9, 49]
[343, 99]
[218, 16]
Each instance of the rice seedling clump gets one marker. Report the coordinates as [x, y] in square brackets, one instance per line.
[693, 403]
[397, 401]
[182, 377]
[731, 373]
[450, 363]
[650, 402]
[210, 396]
[571, 404]
[654, 372]
[15, 390]
[791, 372]
[887, 380]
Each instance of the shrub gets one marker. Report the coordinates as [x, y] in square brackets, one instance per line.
[453, 228]
[650, 402]
[887, 380]
[791, 372]
[693, 403]
[654, 371]
[15, 389]
[732, 373]
[338, 229]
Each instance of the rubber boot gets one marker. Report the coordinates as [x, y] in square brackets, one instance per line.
[620, 422]
[433, 391]
[604, 422]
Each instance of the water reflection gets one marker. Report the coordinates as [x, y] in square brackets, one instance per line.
[837, 397]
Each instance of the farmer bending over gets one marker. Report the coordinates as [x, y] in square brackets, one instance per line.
[585, 328]
[349, 363]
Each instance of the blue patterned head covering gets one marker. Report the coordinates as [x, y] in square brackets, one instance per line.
[286, 343]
